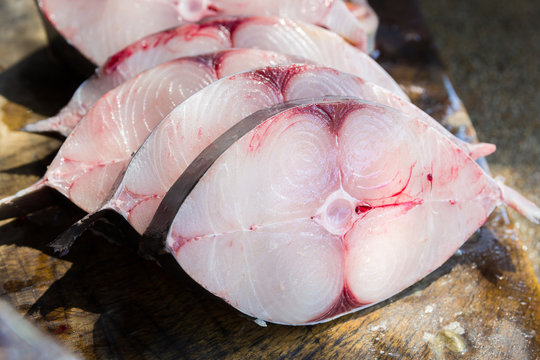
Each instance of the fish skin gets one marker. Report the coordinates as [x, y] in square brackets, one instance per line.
[84, 23]
[269, 33]
[336, 233]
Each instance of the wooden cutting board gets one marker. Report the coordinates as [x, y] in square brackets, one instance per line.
[102, 301]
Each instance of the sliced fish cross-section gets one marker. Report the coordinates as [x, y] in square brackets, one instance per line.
[96, 153]
[269, 33]
[196, 123]
[100, 28]
[325, 209]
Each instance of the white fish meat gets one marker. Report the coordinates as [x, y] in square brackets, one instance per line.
[357, 23]
[190, 40]
[329, 208]
[100, 28]
[269, 33]
[88, 165]
[345, 203]
[193, 125]
[96, 153]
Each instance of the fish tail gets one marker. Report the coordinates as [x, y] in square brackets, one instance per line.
[55, 125]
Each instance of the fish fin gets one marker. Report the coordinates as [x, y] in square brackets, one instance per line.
[53, 126]
[65, 240]
[33, 198]
[518, 202]
[105, 222]
[479, 150]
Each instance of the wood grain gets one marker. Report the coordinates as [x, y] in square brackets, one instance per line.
[102, 301]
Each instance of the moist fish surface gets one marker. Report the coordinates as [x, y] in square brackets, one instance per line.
[328, 208]
[96, 153]
[89, 164]
[100, 28]
[270, 33]
[193, 125]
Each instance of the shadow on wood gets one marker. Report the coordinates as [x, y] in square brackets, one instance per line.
[43, 84]
[144, 309]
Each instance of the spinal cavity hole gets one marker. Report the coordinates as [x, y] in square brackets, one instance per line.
[338, 213]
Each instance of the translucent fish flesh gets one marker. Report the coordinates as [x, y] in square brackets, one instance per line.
[96, 153]
[269, 33]
[100, 28]
[193, 125]
[326, 209]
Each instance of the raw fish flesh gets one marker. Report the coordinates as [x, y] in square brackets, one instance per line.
[88, 165]
[100, 28]
[96, 153]
[329, 208]
[269, 33]
[193, 125]
[329, 205]
[363, 12]
[355, 22]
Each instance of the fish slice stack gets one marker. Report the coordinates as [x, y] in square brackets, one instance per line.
[280, 165]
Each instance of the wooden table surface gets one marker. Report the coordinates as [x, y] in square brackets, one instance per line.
[102, 301]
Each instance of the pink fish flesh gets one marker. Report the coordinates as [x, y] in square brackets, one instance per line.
[269, 33]
[326, 209]
[89, 163]
[193, 125]
[96, 153]
[362, 11]
[100, 28]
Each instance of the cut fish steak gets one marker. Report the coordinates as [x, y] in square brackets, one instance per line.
[269, 33]
[329, 208]
[100, 28]
[357, 23]
[190, 127]
[95, 154]
[89, 163]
